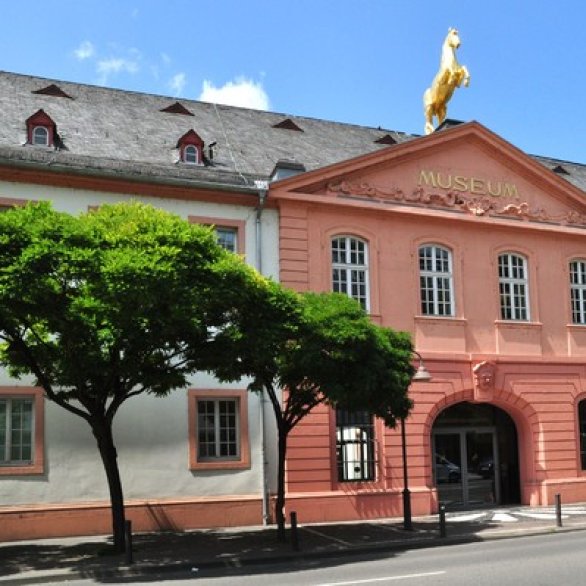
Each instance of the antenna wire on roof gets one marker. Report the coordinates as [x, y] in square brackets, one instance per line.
[246, 182]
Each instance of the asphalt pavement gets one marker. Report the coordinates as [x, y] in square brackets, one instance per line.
[54, 560]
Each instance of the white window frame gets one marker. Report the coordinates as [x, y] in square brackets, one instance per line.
[219, 430]
[577, 270]
[6, 458]
[191, 155]
[233, 236]
[513, 287]
[349, 256]
[355, 446]
[35, 136]
[436, 283]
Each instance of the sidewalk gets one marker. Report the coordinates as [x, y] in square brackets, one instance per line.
[54, 560]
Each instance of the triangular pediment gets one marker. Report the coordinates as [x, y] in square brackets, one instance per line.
[466, 169]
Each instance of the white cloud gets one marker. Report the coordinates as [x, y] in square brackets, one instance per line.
[242, 92]
[84, 51]
[177, 83]
[107, 67]
[165, 59]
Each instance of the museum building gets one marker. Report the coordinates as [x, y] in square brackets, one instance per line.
[477, 250]
[458, 237]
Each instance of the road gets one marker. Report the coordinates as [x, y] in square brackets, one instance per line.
[556, 559]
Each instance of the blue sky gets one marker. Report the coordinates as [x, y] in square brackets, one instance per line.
[363, 62]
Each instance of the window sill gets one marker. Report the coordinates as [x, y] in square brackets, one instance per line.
[518, 324]
[22, 470]
[221, 465]
[366, 486]
[441, 319]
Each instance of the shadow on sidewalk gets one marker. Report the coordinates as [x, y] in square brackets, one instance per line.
[158, 553]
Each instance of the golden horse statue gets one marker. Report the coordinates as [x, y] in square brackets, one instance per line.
[450, 76]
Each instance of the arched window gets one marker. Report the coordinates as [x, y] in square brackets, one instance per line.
[40, 136]
[41, 129]
[582, 424]
[513, 287]
[350, 268]
[190, 154]
[190, 147]
[578, 291]
[435, 280]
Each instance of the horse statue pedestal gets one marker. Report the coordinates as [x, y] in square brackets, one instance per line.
[450, 76]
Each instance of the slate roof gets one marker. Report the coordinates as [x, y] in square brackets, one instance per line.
[120, 133]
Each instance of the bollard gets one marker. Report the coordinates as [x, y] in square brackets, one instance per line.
[294, 534]
[442, 521]
[558, 510]
[128, 541]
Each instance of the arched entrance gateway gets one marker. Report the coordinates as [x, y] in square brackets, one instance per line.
[476, 457]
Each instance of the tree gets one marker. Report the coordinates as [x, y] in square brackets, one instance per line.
[326, 350]
[118, 302]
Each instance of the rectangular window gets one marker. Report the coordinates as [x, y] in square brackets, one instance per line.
[355, 446]
[513, 287]
[21, 431]
[435, 281]
[230, 233]
[218, 429]
[350, 268]
[16, 431]
[227, 238]
[578, 291]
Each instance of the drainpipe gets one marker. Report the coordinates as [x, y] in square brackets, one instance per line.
[262, 187]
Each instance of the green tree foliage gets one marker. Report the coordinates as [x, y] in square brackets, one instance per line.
[121, 301]
[331, 352]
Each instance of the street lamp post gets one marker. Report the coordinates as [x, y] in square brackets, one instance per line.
[422, 375]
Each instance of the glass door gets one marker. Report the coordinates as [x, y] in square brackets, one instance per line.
[448, 468]
[481, 484]
[466, 467]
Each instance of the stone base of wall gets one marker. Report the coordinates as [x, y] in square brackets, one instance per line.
[327, 507]
[66, 520]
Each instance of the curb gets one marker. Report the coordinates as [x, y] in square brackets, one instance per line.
[192, 569]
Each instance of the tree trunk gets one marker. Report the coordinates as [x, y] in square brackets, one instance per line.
[280, 501]
[102, 430]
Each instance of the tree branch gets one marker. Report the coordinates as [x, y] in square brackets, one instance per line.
[42, 378]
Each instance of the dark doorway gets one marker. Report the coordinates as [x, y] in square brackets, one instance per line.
[475, 457]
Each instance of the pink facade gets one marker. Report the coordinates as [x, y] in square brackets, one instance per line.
[498, 330]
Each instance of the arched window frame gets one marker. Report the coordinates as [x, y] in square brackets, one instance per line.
[582, 432]
[349, 255]
[436, 281]
[577, 271]
[40, 136]
[513, 275]
[190, 147]
[41, 124]
[191, 154]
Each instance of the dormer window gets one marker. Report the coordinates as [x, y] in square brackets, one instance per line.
[41, 130]
[40, 136]
[190, 155]
[190, 147]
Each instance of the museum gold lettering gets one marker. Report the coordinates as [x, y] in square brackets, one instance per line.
[477, 186]
[495, 190]
[460, 183]
[446, 184]
[510, 190]
[474, 185]
[427, 178]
